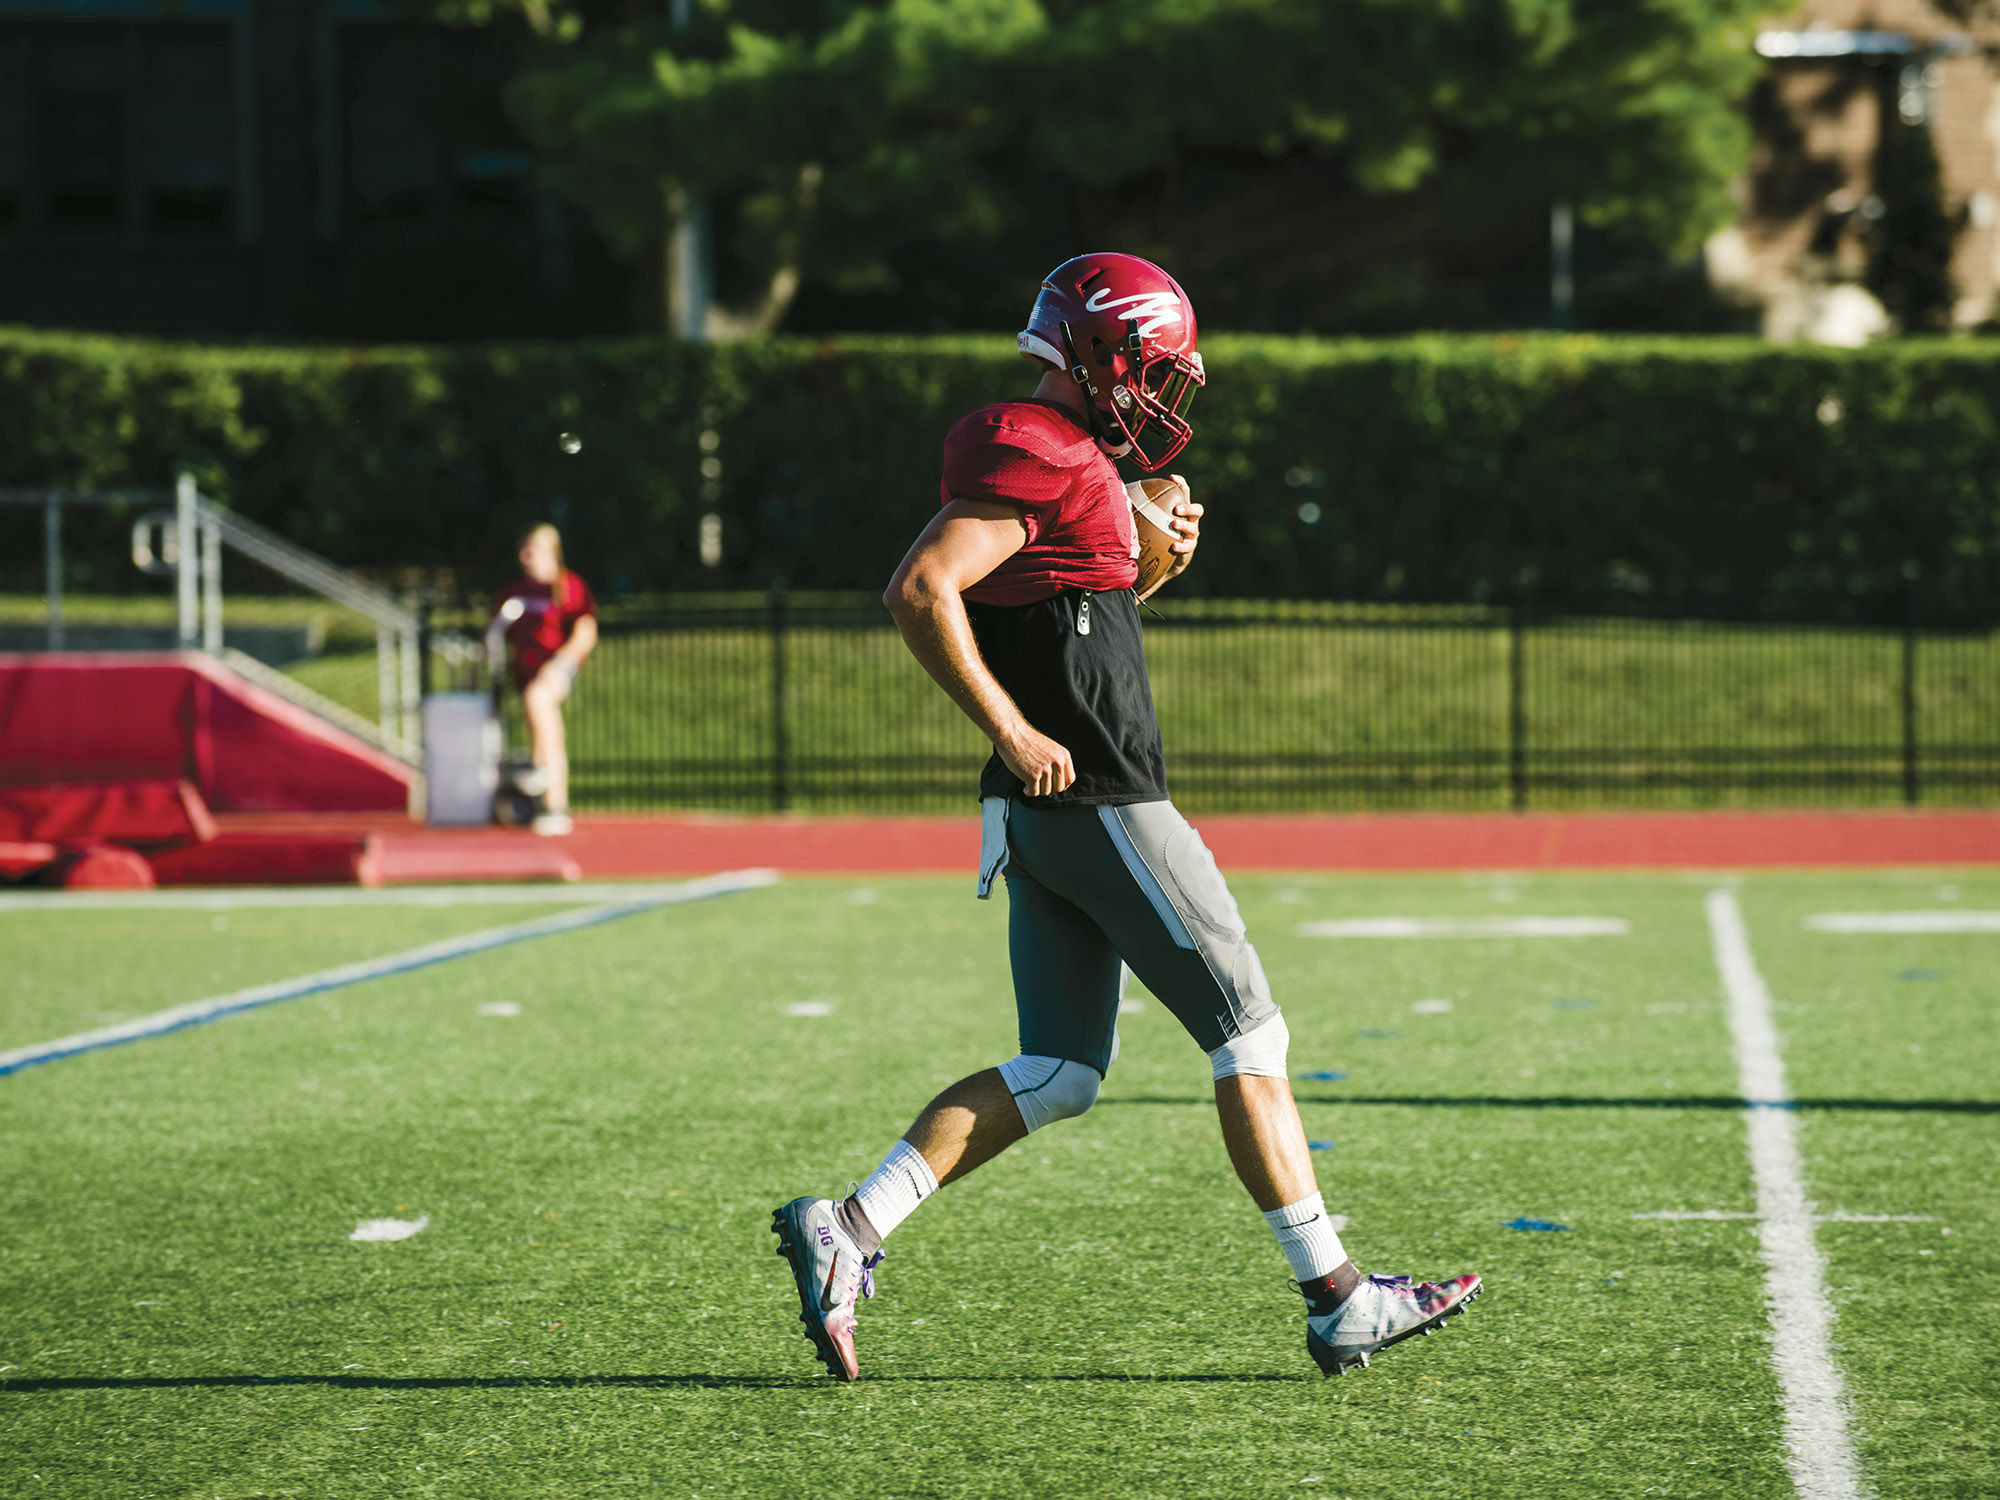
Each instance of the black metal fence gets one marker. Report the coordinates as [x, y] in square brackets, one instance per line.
[810, 702]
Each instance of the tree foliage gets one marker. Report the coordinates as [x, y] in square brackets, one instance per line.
[828, 132]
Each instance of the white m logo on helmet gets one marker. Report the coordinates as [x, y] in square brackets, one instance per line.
[1150, 310]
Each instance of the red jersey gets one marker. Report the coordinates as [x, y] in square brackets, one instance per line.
[1034, 455]
[545, 622]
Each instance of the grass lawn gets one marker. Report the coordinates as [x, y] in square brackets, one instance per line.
[595, 1306]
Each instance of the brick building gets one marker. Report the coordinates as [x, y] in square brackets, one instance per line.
[275, 167]
[1841, 74]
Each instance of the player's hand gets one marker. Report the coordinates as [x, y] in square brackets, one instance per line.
[1043, 766]
[1187, 525]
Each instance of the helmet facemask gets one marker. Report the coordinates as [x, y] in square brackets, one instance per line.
[1140, 404]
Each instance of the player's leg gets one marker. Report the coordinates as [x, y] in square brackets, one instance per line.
[1265, 1139]
[1066, 985]
[548, 744]
[1149, 882]
[834, 1247]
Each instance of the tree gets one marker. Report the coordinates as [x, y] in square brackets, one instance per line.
[829, 132]
[823, 131]
[1367, 165]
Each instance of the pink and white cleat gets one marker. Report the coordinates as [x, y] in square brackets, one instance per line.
[1383, 1310]
[831, 1274]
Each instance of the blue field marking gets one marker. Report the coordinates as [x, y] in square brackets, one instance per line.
[197, 1012]
[1537, 1226]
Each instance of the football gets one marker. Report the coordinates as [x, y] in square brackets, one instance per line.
[1153, 503]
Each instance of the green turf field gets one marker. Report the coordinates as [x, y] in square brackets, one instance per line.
[595, 1307]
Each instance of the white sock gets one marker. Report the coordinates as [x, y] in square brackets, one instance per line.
[894, 1189]
[1306, 1236]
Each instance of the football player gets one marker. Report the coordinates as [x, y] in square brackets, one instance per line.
[1017, 599]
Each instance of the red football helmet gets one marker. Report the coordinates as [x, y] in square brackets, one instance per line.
[1124, 330]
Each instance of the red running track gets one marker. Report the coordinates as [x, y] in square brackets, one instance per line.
[385, 849]
[691, 844]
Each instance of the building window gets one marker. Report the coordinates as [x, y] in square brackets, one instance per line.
[190, 130]
[82, 125]
[110, 129]
[14, 116]
[393, 77]
[423, 139]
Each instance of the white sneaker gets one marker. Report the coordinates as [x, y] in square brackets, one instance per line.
[1383, 1310]
[831, 1274]
[553, 825]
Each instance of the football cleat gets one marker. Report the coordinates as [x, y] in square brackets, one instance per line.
[831, 1274]
[1383, 1310]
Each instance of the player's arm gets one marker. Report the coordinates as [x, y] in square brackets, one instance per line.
[963, 543]
[582, 641]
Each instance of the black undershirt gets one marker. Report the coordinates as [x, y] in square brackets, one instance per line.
[1086, 689]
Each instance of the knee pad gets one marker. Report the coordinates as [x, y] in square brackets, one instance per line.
[1047, 1089]
[1259, 1053]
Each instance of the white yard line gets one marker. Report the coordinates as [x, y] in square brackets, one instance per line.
[1467, 927]
[250, 898]
[1904, 921]
[1820, 1451]
[197, 1011]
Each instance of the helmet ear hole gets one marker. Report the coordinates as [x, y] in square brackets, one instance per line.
[1102, 352]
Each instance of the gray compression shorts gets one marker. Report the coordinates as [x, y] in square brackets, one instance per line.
[1089, 886]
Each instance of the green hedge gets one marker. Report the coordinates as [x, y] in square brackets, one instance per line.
[1572, 471]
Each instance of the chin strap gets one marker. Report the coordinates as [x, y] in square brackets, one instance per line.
[1080, 373]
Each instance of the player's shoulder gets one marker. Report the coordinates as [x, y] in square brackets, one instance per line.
[1034, 427]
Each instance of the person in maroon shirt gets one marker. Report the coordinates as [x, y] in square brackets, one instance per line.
[548, 640]
[1017, 599]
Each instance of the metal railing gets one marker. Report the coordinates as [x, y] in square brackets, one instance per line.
[185, 537]
[811, 702]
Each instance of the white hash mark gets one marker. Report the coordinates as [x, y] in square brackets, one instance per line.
[1467, 927]
[1904, 921]
[390, 1229]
